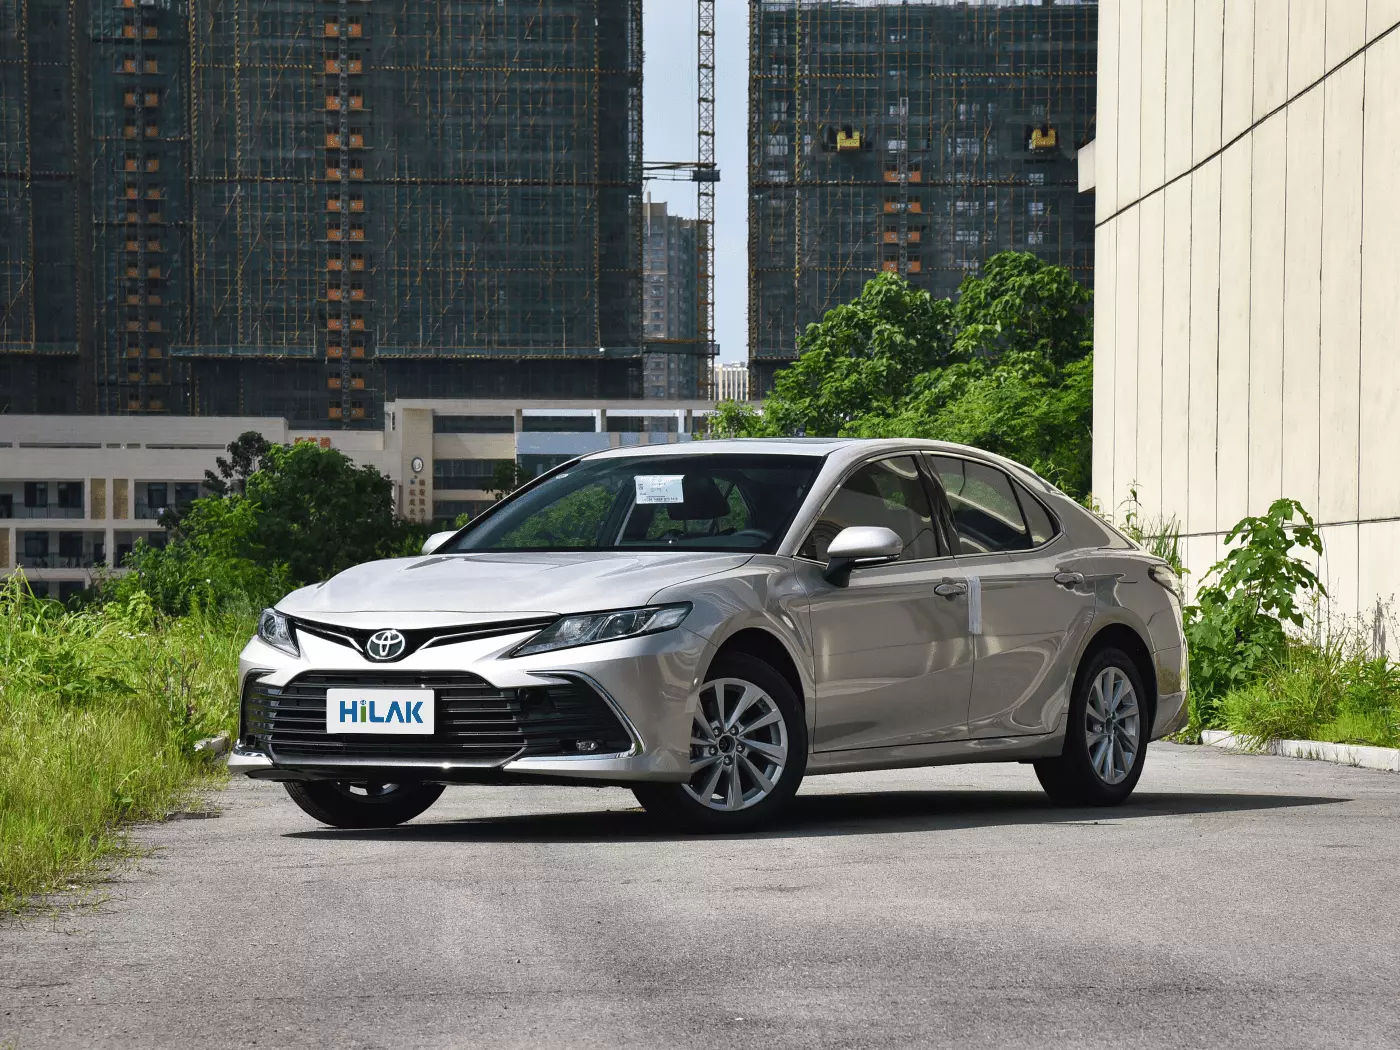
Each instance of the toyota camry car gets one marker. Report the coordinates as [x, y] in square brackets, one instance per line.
[708, 623]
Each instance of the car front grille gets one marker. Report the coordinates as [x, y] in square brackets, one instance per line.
[475, 722]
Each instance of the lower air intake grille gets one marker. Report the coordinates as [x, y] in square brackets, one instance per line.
[474, 721]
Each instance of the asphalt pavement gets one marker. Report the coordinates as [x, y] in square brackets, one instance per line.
[1235, 901]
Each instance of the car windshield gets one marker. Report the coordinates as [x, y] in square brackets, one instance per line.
[716, 502]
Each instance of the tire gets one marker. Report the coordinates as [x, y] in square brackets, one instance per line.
[1096, 774]
[342, 804]
[751, 692]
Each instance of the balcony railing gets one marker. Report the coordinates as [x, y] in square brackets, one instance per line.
[51, 511]
[59, 561]
[149, 511]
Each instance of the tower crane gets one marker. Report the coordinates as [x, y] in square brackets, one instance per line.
[704, 172]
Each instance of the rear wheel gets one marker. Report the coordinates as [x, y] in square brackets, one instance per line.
[748, 751]
[1106, 738]
[343, 804]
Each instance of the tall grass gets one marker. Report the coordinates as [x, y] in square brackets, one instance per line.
[1331, 688]
[99, 712]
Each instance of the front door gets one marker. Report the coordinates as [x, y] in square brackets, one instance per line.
[1032, 609]
[893, 659]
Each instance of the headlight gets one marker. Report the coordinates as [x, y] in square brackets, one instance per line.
[587, 628]
[276, 630]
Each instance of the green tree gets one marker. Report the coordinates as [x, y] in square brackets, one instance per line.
[860, 359]
[1006, 367]
[320, 513]
[508, 476]
[245, 456]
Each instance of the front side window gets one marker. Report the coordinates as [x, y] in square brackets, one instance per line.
[741, 503]
[888, 492]
[986, 512]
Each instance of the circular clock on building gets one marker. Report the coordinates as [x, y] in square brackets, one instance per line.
[417, 464]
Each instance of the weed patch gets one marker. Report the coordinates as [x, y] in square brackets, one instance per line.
[99, 711]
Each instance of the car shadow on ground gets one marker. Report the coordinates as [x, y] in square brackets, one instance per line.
[855, 813]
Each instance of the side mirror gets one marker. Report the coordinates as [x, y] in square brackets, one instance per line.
[436, 540]
[860, 545]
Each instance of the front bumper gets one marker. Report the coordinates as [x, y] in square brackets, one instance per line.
[650, 684]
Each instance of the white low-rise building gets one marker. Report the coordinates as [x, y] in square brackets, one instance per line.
[78, 492]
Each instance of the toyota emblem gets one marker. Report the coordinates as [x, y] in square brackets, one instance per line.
[385, 645]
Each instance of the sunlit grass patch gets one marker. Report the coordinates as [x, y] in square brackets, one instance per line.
[99, 712]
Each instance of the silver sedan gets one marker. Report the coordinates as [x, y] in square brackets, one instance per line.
[708, 623]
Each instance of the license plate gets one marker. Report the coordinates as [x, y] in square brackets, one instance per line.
[380, 711]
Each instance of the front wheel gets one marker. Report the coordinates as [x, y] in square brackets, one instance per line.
[748, 751]
[1105, 739]
[342, 804]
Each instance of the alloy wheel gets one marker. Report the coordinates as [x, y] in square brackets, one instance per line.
[738, 745]
[1112, 726]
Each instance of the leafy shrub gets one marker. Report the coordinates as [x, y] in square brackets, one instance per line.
[214, 563]
[1236, 629]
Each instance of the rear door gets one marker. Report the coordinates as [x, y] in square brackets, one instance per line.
[1031, 608]
[892, 656]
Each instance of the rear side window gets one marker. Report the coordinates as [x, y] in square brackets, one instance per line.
[986, 513]
[1042, 528]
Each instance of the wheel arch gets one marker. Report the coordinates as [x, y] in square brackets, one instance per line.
[1121, 636]
[768, 647]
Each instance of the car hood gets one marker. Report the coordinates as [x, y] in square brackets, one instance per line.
[466, 588]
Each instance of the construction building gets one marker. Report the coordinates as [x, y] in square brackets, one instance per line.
[304, 208]
[670, 273]
[910, 136]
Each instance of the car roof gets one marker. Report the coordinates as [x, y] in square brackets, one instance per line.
[843, 449]
[788, 446]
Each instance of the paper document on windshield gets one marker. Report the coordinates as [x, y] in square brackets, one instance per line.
[660, 488]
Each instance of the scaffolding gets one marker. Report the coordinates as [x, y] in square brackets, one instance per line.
[44, 274]
[913, 137]
[423, 197]
[300, 207]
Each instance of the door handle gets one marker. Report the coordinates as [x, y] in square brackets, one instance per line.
[950, 590]
[1070, 579]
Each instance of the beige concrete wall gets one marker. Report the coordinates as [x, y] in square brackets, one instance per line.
[1246, 311]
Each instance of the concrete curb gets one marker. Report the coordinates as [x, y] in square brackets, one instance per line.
[1385, 758]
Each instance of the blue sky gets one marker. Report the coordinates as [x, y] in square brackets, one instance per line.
[669, 134]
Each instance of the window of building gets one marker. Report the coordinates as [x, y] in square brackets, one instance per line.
[448, 511]
[558, 424]
[473, 424]
[70, 495]
[468, 473]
